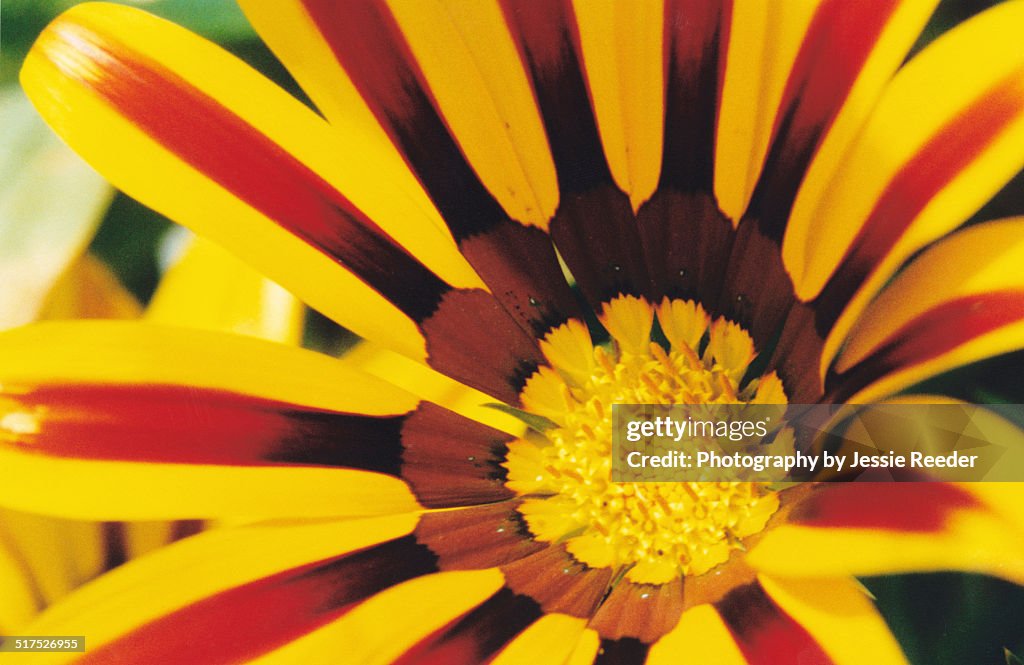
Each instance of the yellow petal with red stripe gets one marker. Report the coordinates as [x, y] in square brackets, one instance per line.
[840, 617]
[132, 353]
[904, 21]
[208, 288]
[382, 628]
[884, 528]
[75, 396]
[465, 53]
[764, 38]
[942, 140]
[964, 91]
[184, 574]
[253, 169]
[622, 46]
[932, 318]
[293, 37]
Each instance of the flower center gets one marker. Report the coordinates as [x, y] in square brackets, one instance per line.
[656, 530]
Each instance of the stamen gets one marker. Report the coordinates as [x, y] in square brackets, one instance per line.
[646, 531]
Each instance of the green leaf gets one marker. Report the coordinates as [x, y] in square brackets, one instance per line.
[532, 420]
[1011, 658]
[218, 20]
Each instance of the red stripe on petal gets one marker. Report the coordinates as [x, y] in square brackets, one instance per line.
[224, 147]
[241, 623]
[697, 34]
[179, 424]
[548, 40]
[369, 45]
[764, 632]
[839, 40]
[936, 164]
[918, 507]
[933, 333]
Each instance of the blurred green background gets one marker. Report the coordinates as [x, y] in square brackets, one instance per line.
[940, 619]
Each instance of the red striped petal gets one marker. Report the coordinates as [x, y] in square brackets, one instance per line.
[917, 508]
[179, 424]
[477, 636]
[246, 621]
[764, 632]
[594, 227]
[368, 44]
[940, 329]
[838, 42]
[217, 142]
[935, 165]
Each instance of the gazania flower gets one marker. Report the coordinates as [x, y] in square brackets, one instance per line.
[748, 177]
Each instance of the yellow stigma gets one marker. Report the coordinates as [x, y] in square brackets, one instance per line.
[656, 530]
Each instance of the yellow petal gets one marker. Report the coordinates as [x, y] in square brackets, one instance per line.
[702, 636]
[430, 385]
[764, 38]
[840, 617]
[58, 555]
[116, 352]
[465, 52]
[622, 47]
[209, 288]
[89, 290]
[628, 319]
[569, 349]
[684, 322]
[551, 639]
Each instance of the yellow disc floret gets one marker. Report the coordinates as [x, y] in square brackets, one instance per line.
[656, 530]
